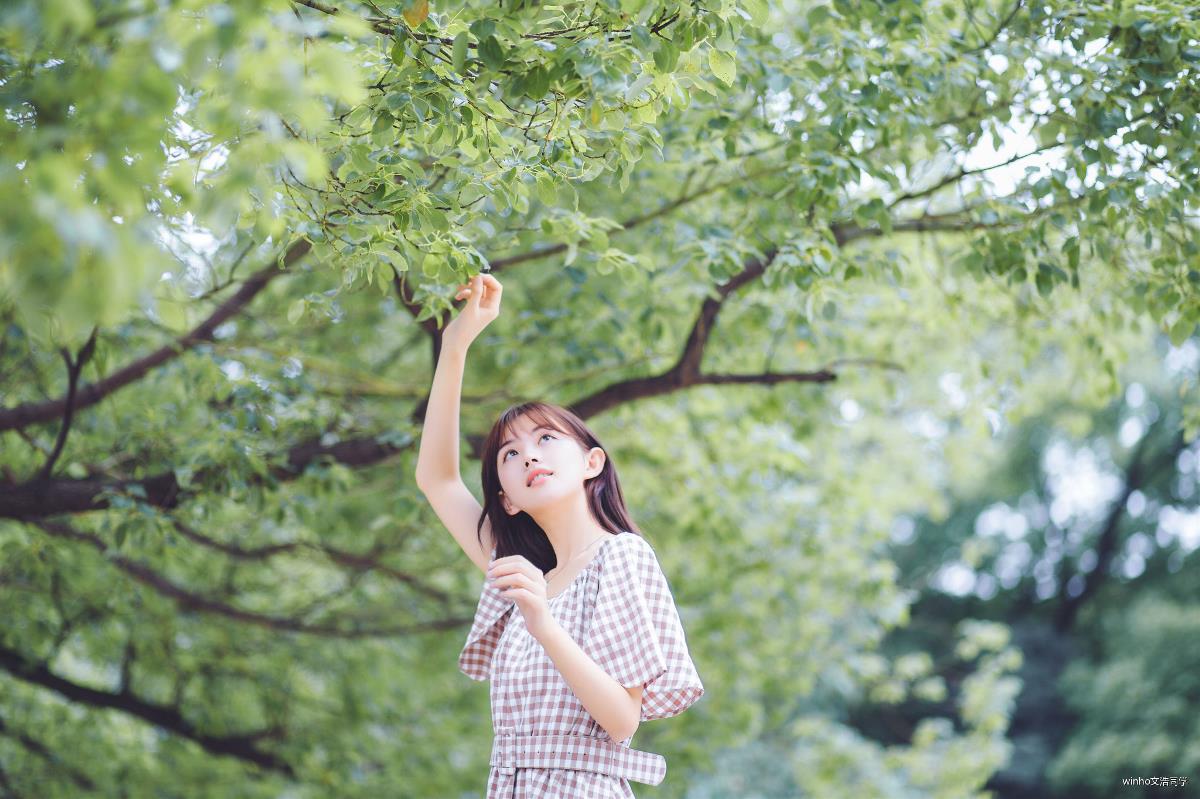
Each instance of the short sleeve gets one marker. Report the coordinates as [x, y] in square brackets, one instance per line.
[491, 614]
[635, 633]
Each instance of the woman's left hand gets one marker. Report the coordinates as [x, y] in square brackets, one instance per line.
[519, 580]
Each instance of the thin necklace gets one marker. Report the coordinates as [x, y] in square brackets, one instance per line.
[576, 557]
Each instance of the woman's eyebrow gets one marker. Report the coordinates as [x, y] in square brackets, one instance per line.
[534, 430]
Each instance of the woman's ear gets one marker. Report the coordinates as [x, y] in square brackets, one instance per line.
[508, 506]
[595, 461]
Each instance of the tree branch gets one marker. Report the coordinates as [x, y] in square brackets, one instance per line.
[986, 43]
[33, 413]
[42, 498]
[633, 221]
[1138, 472]
[686, 371]
[362, 562]
[190, 600]
[38, 499]
[169, 718]
[74, 367]
[963, 172]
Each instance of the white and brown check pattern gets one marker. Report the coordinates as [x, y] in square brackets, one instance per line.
[546, 745]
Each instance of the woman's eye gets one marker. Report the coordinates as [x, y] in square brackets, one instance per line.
[506, 454]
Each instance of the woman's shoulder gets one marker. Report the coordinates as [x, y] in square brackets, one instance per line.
[632, 554]
[632, 543]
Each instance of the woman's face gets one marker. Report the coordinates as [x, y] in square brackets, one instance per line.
[530, 449]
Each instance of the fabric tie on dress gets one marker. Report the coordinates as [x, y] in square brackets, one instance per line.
[511, 750]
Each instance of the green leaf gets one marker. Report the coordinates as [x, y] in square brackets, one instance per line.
[537, 82]
[547, 191]
[758, 11]
[296, 310]
[482, 28]
[1181, 330]
[459, 56]
[491, 53]
[382, 122]
[1071, 248]
[383, 277]
[431, 264]
[685, 36]
[1044, 279]
[722, 65]
[666, 56]
[724, 41]
[395, 257]
[635, 89]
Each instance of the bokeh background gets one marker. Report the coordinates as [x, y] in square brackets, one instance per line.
[885, 311]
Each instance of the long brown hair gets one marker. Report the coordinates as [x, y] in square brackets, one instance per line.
[519, 534]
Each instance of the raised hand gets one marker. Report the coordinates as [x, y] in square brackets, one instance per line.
[483, 306]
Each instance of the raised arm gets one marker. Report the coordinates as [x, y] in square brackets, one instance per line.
[437, 473]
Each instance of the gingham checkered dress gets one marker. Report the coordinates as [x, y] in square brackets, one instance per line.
[546, 745]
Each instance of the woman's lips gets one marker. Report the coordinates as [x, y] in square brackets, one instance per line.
[539, 478]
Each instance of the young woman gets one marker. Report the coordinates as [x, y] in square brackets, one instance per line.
[576, 626]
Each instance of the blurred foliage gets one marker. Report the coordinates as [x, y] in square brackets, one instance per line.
[1137, 705]
[1080, 539]
[231, 234]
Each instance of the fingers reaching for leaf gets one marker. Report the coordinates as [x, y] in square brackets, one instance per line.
[483, 305]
